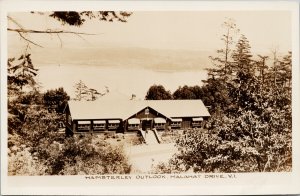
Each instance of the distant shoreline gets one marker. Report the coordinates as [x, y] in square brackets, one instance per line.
[125, 80]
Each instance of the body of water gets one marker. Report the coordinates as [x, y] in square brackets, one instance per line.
[124, 80]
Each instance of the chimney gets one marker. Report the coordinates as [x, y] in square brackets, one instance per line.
[133, 97]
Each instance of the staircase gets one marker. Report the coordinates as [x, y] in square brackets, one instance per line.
[149, 137]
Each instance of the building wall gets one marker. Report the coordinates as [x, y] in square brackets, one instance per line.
[186, 123]
[122, 128]
[152, 114]
[118, 129]
[142, 115]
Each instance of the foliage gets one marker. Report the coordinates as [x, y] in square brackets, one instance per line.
[241, 56]
[28, 125]
[36, 144]
[250, 129]
[33, 97]
[216, 95]
[33, 123]
[37, 147]
[41, 148]
[188, 92]
[158, 92]
[243, 144]
[21, 162]
[222, 62]
[173, 166]
[56, 99]
[78, 18]
[83, 92]
[84, 155]
[71, 18]
[19, 104]
[21, 72]
[94, 94]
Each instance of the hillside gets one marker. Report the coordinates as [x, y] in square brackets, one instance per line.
[157, 60]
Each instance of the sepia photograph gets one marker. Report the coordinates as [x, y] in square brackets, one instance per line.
[149, 94]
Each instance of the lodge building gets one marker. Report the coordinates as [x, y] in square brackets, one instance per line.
[127, 116]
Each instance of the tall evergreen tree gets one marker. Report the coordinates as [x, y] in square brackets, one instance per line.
[222, 60]
[285, 70]
[241, 56]
[262, 68]
[245, 82]
[21, 72]
[221, 74]
[81, 91]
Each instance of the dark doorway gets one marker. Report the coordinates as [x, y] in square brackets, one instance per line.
[146, 124]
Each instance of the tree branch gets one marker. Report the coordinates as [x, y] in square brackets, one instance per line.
[47, 31]
[59, 40]
[14, 21]
[29, 40]
[267, 163]
[20, 31]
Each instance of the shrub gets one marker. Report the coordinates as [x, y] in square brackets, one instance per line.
[239, 144]
[85, 156]
[21, 162]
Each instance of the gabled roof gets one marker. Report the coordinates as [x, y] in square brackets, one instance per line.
[123, 109]
[179, 108]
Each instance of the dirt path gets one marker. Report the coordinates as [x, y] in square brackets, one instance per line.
[143, 157]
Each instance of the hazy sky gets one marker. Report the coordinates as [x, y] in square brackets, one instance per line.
[169, 30]
[114, 58]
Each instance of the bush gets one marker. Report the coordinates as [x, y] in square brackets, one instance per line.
[21, 162]
[53, 153]
[85, 156]
[243, 144]
[173, 166]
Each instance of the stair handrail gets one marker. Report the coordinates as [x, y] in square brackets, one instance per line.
[156, 135]
[142, 134]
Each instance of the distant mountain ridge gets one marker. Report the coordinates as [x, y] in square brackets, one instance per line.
[154, 59]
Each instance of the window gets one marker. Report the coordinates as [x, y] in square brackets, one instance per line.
[176, 122]
[83, 126]
[147, 111]
[159, 123]
[133, 126]
[113, 124]
[133, 123]
[197, 122]
[99, 125]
